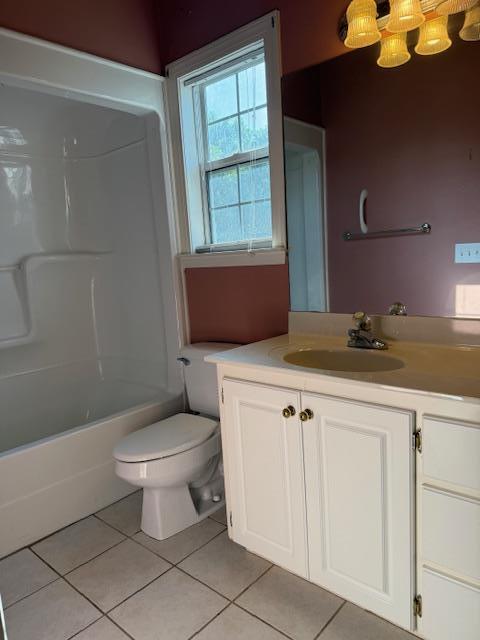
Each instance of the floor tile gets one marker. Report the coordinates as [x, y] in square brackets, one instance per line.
[290, 604]
[220, 516]
[236, 624]
[171, 608]
[77, 544]
[353, 623]
[21, 574]
[117, 574]
[225, 566]
[182, 544]
[124, 515]
[103, 629]
[56, 612]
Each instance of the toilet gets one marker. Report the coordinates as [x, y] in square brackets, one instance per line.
[178, 461]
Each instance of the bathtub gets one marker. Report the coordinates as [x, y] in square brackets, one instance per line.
[58, 427]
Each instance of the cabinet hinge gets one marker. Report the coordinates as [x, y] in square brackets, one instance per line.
[417, 441]
[231, 519]
[417, 606]
[223, 397]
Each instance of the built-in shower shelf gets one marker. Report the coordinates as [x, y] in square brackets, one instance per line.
[21, 288]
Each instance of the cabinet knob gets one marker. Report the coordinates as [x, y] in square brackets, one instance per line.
[289, 411]
[305, 415]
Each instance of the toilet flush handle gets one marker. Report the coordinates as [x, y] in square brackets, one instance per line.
[184, 361]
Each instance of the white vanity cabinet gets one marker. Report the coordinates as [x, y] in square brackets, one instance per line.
[449, 531]
[360, 487]
[263, 457]
[346, 470]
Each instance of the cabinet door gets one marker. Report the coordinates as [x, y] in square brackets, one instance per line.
[359, 487]
[450, 608]
[266, 478]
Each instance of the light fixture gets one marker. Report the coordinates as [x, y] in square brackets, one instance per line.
[471, 27]
[362, 24]
[448, 7]
[433, 37]
[393, 51]
[405, 15]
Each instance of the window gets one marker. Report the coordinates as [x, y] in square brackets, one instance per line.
[228, 183]
[233, 120]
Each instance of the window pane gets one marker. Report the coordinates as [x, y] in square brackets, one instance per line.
[254, 127]
[223, 140]
[257, 220]
[225, 225]
[223, 187]
[221, 98]
[254, 181]
[252, 87]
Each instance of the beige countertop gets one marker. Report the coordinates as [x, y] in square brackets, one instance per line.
[449, 370]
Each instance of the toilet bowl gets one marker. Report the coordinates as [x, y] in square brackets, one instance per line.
[177, 461]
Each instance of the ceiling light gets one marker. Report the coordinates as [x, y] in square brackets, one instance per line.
[394, 51]
[433, 37]
[405, 15]
[471, 27]
[448, 7]
[362, 24]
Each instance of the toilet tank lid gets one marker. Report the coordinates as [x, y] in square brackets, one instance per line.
[178, 433]
[199, 350]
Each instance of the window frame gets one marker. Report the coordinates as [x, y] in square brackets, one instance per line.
[223, 53]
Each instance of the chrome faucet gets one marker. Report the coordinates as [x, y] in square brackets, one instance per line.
[361, 337]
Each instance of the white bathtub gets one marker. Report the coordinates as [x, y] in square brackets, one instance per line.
[58, 428]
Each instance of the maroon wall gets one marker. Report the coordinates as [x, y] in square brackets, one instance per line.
[411, 136]
[309, 28]
[126, 31]
[237, 304]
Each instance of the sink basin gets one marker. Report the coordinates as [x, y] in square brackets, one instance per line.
[337, 360]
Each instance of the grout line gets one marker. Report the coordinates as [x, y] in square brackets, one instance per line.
[182, 559]
[31, 594]
[91, 559]
[147, 584]
[254, 582]
[269, 624]
[229, 604]
[112, 526]
[330, 620]
[204, 583]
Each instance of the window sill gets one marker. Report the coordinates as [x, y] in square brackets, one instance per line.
[233, 258]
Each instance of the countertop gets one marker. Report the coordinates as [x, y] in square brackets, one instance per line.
[449, 370]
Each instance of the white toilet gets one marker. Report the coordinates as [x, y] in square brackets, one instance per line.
[177, 461]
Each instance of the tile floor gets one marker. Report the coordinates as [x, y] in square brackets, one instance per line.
[103, 579]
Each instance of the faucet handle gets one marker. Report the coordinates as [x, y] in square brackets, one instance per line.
[362, 321]
[397, 309]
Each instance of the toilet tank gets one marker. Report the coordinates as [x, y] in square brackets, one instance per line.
[201, 376]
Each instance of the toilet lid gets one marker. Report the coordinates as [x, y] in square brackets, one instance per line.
[173, 435]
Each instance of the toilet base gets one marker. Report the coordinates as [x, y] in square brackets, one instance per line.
[166, 512]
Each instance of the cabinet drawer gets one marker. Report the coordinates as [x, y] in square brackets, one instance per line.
[451, 609]
[451, 452]
[451, 532]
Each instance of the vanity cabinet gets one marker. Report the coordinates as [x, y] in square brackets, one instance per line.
[330, 497]
[449, 532]
[359, 488]
[263, 454]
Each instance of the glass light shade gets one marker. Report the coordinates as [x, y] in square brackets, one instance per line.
[362, 24]
[394, 51]
[448, 7]
[405, 15]
[433, 37]
[471, 27]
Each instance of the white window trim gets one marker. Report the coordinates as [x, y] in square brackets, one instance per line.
[267, 29]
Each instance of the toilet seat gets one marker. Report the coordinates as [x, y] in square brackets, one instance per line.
[165, 438]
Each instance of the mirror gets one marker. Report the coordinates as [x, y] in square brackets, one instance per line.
[368, 150]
